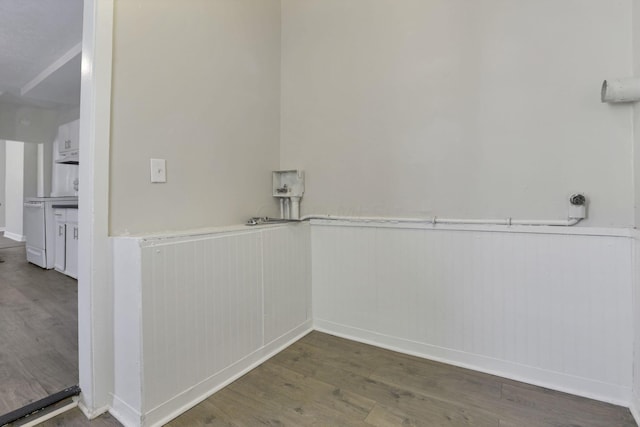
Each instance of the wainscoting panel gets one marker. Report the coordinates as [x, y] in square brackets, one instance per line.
[547, 308]
[213, 306]
[287, 266]
[635, 398]
[201, 310]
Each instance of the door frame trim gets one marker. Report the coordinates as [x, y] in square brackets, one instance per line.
[95, 299]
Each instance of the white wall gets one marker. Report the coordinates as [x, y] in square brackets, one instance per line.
[29, 124]
[20, 182]
[455, 108]
[196, 83]
[30, 170]
[450, 108]
[14, 189]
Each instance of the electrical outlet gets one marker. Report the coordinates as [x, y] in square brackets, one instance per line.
[158, 170]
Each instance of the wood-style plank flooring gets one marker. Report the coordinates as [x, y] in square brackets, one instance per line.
[328, 381]
[38, 329]
[322, 380]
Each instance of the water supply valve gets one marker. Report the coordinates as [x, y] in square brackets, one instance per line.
[288, 187]
[577, 206]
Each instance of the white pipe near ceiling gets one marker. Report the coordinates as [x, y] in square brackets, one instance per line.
[621, 90]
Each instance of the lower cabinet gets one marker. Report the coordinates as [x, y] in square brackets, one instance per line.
[66, 260]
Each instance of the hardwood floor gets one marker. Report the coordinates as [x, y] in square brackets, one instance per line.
[322, 380]
[38, 330]
[8, 243]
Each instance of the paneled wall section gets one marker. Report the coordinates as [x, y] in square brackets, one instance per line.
[547, 306]
[213, 306]
[549, 309]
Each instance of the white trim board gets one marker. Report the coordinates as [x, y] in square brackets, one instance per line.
[55, 66]
[92, 413]
[530, 229]
[15, 236]
[635, 413]
[124, 413]
[204, 234]
[95, 323]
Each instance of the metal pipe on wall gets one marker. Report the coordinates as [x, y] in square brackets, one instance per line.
[435, 220]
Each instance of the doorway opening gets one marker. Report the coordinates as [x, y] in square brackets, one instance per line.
[40, 94]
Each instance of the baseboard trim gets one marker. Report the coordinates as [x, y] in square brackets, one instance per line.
[14, 236]
[179, 404]
[124, 413]
[635, 413]
[610, 393]
[91, 413]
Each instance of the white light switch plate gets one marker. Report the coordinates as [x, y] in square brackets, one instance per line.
[158, 170]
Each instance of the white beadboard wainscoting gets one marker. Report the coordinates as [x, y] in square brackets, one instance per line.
[193, 313]
[548, 306]
[635, 399]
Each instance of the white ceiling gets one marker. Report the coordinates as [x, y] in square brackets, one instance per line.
[39, 52]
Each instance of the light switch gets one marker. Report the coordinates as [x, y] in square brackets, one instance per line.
[158, 170]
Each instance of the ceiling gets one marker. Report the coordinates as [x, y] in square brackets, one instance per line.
[40, 52]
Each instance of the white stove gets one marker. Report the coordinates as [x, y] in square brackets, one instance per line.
[39, 226]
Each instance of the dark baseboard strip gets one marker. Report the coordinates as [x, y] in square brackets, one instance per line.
[38, 405]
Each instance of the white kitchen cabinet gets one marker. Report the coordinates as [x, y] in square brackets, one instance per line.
[71, 255]
[60, 216]
[66, 260]
[68, 138]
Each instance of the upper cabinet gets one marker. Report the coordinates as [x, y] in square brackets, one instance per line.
[68, 138]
